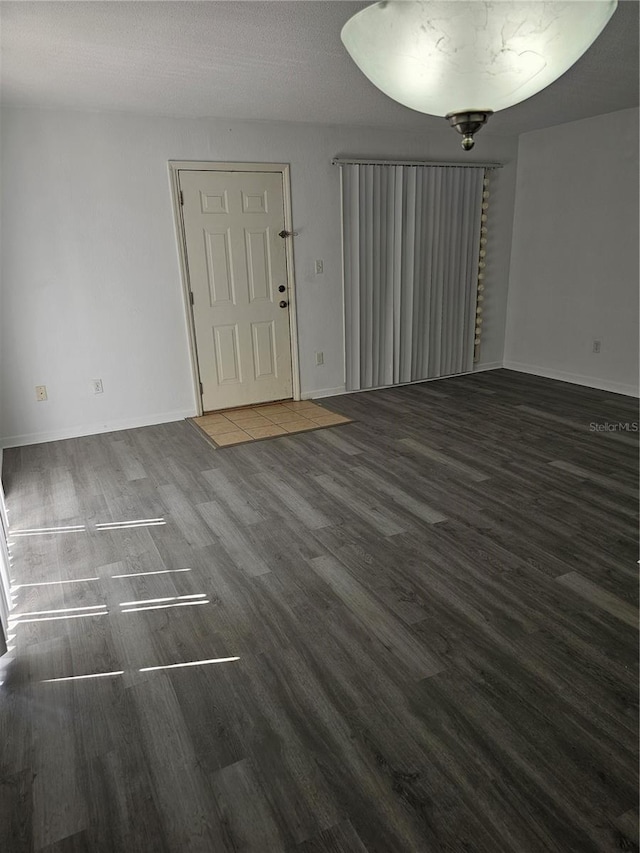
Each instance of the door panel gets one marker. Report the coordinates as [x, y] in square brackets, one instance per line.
[236, 262]
[264, 349]
[227, 357]
[219, 269]
[258, 264]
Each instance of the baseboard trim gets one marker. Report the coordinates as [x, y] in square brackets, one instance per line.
[487, 365]
[95, 429]
[573, 378]
[323, 392]
[334, 392]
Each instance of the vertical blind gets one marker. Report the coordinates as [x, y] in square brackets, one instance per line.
[410, 243]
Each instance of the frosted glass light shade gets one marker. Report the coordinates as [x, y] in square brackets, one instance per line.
[450, 56]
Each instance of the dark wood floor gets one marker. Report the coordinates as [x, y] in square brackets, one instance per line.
[430, 613]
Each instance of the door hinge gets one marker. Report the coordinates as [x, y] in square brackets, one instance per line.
[181, 198]
[191, 297]
[201, 389]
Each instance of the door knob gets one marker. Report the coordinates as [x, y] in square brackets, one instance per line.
[283, 304]
[282, 288]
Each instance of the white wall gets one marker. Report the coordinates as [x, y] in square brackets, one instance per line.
[574, 262]
[90, 275]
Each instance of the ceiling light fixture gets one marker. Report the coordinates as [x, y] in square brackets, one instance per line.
[466, 60]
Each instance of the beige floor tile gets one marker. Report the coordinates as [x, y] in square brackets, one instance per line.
[266, 432]
[239, 415]
[231, 438]
[210, 419]
[283, 417]
[299, 425]
[255, 421]
[272, 410]
[234, 426]
[219, 428]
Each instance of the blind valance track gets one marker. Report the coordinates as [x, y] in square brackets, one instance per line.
[346, 161]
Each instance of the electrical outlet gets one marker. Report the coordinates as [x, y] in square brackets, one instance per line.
[96, 386]
[597, 346]
[319, 359]
[41, 393]
[319, 267]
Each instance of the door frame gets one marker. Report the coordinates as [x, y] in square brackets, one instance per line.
[175, 167]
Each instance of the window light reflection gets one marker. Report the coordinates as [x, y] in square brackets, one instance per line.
[78, 528]
[18, 586]
[164, 606]
[130, 521]
[48, 529]
[188, 663]
[141, 574]
[124, 525]
[82, 677]
[21, 621]
[160, 600]
[45, 531]
[59, 610]
[142, 669]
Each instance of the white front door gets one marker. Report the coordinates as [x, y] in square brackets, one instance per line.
[238, 278]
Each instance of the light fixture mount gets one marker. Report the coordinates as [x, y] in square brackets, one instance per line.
[467, 123]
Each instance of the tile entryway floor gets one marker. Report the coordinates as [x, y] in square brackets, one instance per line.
[235, 426]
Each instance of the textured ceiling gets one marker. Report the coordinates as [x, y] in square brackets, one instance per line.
[257, 60]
